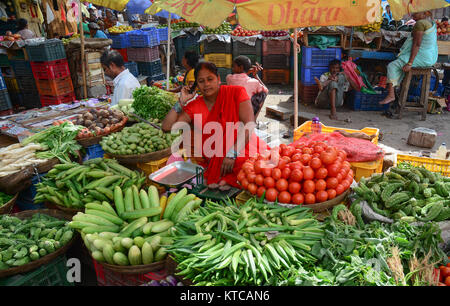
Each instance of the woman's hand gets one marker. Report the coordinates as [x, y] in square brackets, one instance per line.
[406, 68]
[186, 95]
[227, 166]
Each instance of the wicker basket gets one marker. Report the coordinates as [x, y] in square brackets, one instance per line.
[141, 158]
[156, 266]
[66, 210]
[6, 209]
[87, 142]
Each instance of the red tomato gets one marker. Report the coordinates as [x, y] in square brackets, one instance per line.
[333, 170]
[259, 180]
[328, 157]
[310, 198]
[266, 172]
[298, 151]
[252, 188]
[447, 281]
[321, 173]
[294, 187]
[346, 164]
[305, 159]
[350, 174]
[244, 183]
[286, 173]
[307, 150]
[309, 186]
[276, 174]
[343, 172]
[241, 175]
[271, 194]
[340, 189]
[332, 182]
[298, 199]
[258, 166]
[296, 157]
[321, 196]
[296, 165]
[342, 154]
[248, 167]
[251, 177]
[316, 155]
[284, 197]
[283, 146]
[287, 159]
[318, 149]
[269, 182]
[331, 193]
[282, 164]
[321, 185]
[288, 151]
[299, 146]
[346, 184]
[308, 173]
[445, 271]
[282, 185]
[296, 175]
[339, 177]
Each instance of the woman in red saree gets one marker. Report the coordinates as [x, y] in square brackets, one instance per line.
[219, 106]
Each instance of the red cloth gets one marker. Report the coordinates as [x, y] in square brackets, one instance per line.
[226, 109]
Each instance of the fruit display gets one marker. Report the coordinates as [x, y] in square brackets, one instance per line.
[224, 28]
[184, 24]
[9, 36]
[303, 174]
[27, 240]
[239, 31]
[137, 230]
[140, 138]
[73, 185]
[274, 33]
[66, 41]
[407, 194]
[443, 29]
[299, 35]
[373, 27]
[161, 26]
[120, 29]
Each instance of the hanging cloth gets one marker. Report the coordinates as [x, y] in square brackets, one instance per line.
[63, 13]
[49, 13]
[40, 15]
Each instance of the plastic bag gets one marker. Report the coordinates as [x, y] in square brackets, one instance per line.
[350, 71]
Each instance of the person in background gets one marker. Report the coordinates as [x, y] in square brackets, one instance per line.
[255, 88]
[332, 85]
[110, 20]
[92, 15]
[388, 13]
[133, 19]
[189, 62]
[419, 50]
[23, 31]
[95, 32]
[124, 82]
[85, 26]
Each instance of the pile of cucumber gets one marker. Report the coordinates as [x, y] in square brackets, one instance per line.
[74, 185]
[23, 241]
[412, 194]
[137, 229]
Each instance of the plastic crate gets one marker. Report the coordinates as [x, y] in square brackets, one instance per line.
[190, 40]
[243, 197]
[107, 277]
[30, 100]
[276, 76]
[307, 93]
[21, 68]
[94, 151]
[150, 167]
[52, 100]
[241, 48]
[434, 165]
[306, 128]
[27, 195]
[147, 38]
[221, 60]
[215, 46]
[50, 70]
[133, 68]
[124, 53]
[307, 74]
[18, 54]
[27, 85]
[5, 100]
[119, 41]
[57, 87]
[253, 58]
[4, 61]
[376, 55]
[50, 50]
[366, 169]
[11, 84]
[158, 77]
[366, 102]
[150, 69]
[143, 54]
[276, 47]
[315, 57]
[2, 83]
[275, 61]
[163, 34]
[52, 274]
[223, 72]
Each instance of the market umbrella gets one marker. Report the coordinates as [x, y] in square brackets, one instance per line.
[401, 8]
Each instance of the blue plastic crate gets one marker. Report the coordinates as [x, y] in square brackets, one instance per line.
[365, 102]
[307, 74]
[147, 38]
[376, 55]
[25, 200]
[151, 68]
[315, 57]
[119, 41]
[158, 77]
[94, 151]
[133, 68]
[163, 34]
[415, 91]
[2, 83]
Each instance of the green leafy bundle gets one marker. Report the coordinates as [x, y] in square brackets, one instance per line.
[4, 198]
[152, 102]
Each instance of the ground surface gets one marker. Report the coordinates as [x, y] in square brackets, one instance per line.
[395, 132]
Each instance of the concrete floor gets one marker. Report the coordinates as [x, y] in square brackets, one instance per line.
[394, 131]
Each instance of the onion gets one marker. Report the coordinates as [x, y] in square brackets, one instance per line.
[171, 280]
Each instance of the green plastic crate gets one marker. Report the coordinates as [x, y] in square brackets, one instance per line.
[4, 61]
[51, 274]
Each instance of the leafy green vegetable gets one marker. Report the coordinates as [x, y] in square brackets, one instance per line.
[4, 198]
[152, 102]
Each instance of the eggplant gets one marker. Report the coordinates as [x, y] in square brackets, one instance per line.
[154, 283]
[164, 283]
[171, 280]
[180, 284]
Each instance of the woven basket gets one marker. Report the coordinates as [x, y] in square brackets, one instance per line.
[47, 258]
[66, 210]
[156, 266]
[171, 268]
[87, 142]
[141, 158]
[6, 209]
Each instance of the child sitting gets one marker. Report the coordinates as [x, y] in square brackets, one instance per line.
[256, 90]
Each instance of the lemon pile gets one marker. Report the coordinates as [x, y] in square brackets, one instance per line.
[120, 29]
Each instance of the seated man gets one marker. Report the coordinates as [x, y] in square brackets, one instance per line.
[95, 32]
[332, 86]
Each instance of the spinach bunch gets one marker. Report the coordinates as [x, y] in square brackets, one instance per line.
[152, 102]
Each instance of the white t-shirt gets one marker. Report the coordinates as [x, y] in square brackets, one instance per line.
[124, 85]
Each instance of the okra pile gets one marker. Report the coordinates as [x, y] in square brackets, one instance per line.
[406, 193]
[23, 241]
[74, 185]
[227, 245]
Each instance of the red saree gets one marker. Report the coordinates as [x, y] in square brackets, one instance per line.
[226, 109]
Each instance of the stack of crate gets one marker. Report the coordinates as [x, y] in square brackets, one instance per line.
[254, 53]
[51, 72]
[220, 54]
[276, 61]
[144, 50]
[185, 43]
[314, 63]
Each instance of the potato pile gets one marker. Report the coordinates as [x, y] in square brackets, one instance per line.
[99, 121]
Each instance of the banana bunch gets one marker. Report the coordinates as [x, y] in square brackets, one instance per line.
[120, 29]
[67, 40]
[373, 27]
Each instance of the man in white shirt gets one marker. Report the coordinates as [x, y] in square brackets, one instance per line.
[124, 82]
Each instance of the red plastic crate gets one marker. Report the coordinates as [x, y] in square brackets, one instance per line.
[124, 53]
[276, 47]
[50, 70]
[307, 94]
[276, 76]
[52, 100]
[57, 87]
[106, 277]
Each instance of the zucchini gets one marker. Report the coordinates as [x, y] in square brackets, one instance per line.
[147, 253]
[130, 228]
[104, 215]
[120, 259]
[139, 213]
[128, 200]
[144, 199]
[136, 199]
[134, 256]
[173, 203]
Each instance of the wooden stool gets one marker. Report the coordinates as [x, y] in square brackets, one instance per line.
[422, 106]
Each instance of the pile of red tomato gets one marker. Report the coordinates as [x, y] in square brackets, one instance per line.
[304, 174]
[443, 273]
[239, 31]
